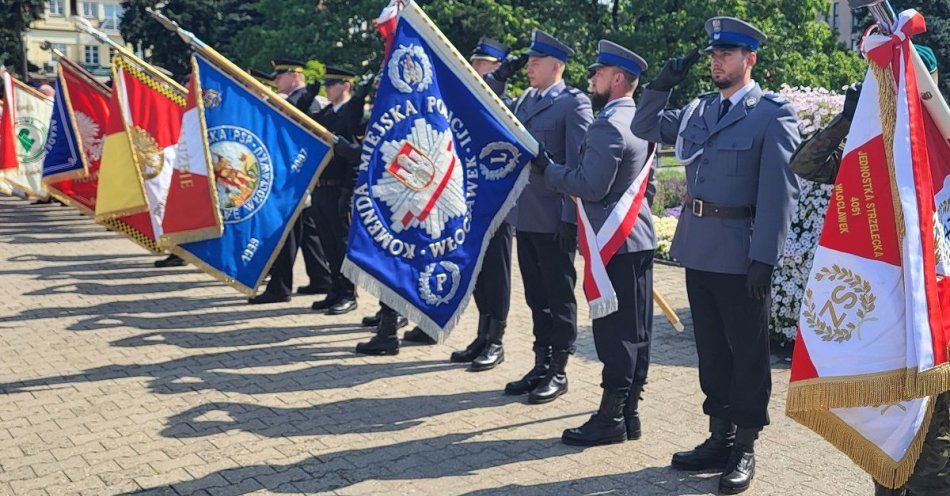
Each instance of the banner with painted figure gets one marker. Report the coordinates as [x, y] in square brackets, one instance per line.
[23, 134]
[872, 347]
[266, 157]
[442, 163]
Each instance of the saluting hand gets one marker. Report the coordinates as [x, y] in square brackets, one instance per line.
[675, 71]
[510, 67]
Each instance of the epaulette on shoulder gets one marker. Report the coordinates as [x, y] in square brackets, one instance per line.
[708, 95]
[574, 91]
[776, 99]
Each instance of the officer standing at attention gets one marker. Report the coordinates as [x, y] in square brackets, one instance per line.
[737, 144]
[334, 190]
[290, 83]
[557, 116]
[611, 159]
[490, 59]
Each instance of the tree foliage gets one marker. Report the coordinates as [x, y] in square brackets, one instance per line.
[15, 17]
[216, 22]
[802, 50]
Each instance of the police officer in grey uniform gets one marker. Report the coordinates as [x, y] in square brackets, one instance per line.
[557, 115]
[736, 145]
[611, 159]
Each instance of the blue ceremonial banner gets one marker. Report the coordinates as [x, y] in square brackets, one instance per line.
[442, 163]
[265, 165]
[62, 151]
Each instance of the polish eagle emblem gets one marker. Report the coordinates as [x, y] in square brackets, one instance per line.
[423, 183]
[90, 135]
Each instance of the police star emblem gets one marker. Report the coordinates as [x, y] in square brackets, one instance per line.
[423, 183]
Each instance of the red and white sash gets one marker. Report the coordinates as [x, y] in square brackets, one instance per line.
[598, 248]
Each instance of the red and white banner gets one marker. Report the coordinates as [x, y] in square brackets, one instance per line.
[598, 248]
[191, 212]
[386, 23]
[873, 341]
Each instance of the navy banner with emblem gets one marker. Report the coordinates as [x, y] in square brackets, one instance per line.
[265, 165]
[442, 163]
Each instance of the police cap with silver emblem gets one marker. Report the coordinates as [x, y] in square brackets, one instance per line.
[333, 75]
[286, 65]
[545, 45]
[610, 53]
[489, 49]
[729, 32]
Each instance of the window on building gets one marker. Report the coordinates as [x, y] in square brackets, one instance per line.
[836, 16]
[62, 49]
[113, 16]
[91, 55]
[90, 9]
[56, 7]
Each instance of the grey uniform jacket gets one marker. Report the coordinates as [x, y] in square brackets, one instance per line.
[744, 162]
[559, 120]
[611, 158]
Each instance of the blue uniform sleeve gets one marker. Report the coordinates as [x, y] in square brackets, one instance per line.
[653, 122]
[778, 187]
[594, 175]
[575, 128]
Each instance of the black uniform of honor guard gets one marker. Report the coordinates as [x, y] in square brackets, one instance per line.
[493, 286]
[557, 116]
[289, 81]
[611, 158]
[334, 191]
[737, 144]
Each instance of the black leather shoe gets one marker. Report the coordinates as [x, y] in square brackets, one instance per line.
[542, 361]
[170, 261]
[265, 298]
[311, 289]
[737, 477]
[631, 414]
[325, 303]
[370, 320]
[475, 347]
[604, 427]
[417, 335]
[492, 354]
[713, 453]
[342, 306]
[379, 345]
[554, 383]
[385, 341]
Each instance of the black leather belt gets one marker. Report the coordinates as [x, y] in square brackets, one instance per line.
[702, 208]
[331, 183]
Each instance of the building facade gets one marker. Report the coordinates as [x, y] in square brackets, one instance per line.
[848, 26]
[57, 28]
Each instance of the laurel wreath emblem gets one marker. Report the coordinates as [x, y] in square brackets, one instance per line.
[425, 289]
[861, 289]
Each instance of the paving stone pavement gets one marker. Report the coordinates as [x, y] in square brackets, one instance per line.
[120, 378]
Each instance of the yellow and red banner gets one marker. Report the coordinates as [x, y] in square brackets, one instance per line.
[139, 151]
[872, 347]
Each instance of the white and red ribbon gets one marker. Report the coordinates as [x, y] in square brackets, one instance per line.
[598, 248]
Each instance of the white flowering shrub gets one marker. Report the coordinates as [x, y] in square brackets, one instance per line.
[816, 107]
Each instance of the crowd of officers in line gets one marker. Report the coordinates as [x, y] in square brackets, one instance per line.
[737, 143]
